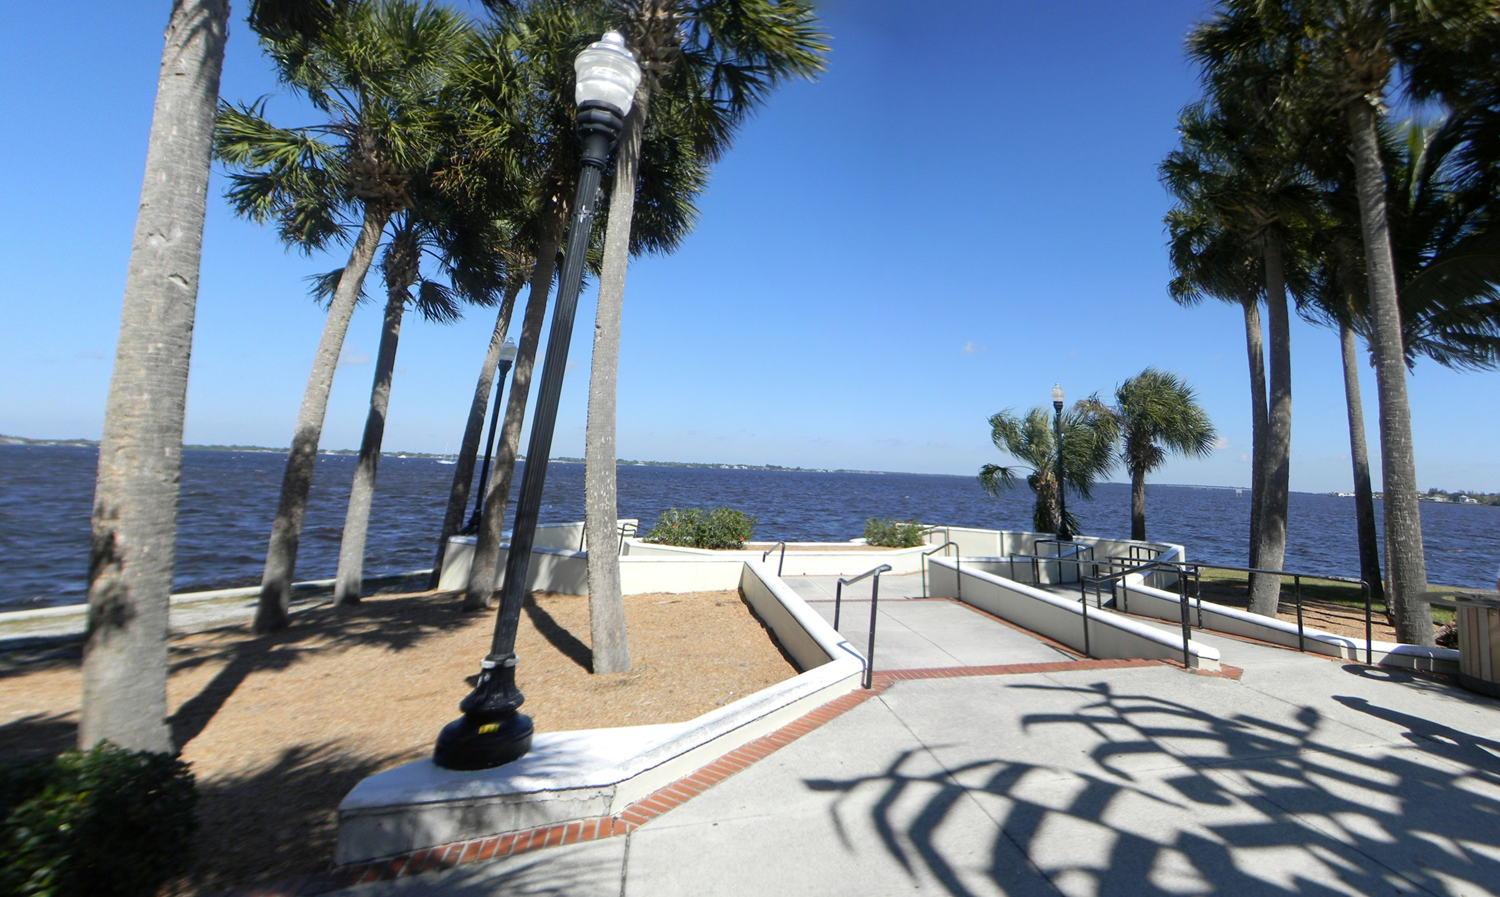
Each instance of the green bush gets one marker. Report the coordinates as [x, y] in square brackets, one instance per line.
[719, 528]
[103, 823]
[893, 533]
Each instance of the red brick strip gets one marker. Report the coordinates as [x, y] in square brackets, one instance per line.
[446, 856]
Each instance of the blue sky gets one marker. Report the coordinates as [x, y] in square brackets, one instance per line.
[961, 211]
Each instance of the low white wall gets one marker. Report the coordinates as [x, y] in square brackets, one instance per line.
[573, 775]
[832, 562]
[1149, 602]
[1062, 620]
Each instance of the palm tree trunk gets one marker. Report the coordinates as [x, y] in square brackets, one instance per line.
[481, 585]
[1265, 589]
[140, 452]
[349, 582]
[601, 511]
[1138, 504]
[1364, 500]
[286, 529]
[1405, 562]
[463, 471]
[1258, 421]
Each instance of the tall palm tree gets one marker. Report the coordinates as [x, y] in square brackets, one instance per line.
[1248, 175]
[1346, 51]
[378, 71]
[1158, 414]
[707, 64]
[1089, 431]
[134, 521]
[1209, 261]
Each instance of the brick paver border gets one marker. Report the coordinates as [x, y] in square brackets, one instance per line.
[447, 856]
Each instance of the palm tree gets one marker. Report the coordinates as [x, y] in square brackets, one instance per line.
[378, 71]
[1346, 51]
[1247, 175]
[1088, 452]
[1158, 414]
[1208, 261]
[472, 278]
[517, 270]
[707, 65]
[517, 128]
[134, 520]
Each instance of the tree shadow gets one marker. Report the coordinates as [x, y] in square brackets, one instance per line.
[38, 735]
[275, 822]
[1182, 800]
[394, 624]
[567, 644]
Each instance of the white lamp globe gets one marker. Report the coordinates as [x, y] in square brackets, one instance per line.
[607, 73]
[508, 351]
[1057, 394]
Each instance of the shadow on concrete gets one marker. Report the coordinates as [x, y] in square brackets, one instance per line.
[1235, 805]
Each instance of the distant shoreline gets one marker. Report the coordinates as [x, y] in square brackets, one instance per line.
[1484, 498]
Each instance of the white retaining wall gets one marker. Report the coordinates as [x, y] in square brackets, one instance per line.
[1060, 619]
[1149, 602]
[598, 772]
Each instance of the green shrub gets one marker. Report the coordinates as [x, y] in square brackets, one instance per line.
[893, 533]
[103, 823]
[719, 528]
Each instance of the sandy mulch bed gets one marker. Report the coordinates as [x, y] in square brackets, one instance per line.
[279, 728]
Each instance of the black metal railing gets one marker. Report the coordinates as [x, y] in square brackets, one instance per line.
[780, 563]
[626, 529]
[957, 562]
[1187, 569]
[1076, 558]
[838, 598]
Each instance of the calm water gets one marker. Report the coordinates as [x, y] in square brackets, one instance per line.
[228, 499]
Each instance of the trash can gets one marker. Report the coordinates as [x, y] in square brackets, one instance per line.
[1478, 643]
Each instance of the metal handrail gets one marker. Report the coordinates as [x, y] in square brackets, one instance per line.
[957, 563]
[1075, 558]
[838, 597]
[1181, 569]
[634, 530]
[780, 563]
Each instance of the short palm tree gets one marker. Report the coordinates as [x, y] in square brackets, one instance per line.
[1158, 414]
[1088, 452]
[378, 70]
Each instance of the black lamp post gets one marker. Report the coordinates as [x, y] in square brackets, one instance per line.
[502, 370]
[492, 731]
[1063, 533]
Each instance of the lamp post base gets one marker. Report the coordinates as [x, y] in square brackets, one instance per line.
[468, 743]
[492, 731]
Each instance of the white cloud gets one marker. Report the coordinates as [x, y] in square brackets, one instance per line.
[1245, 458]
[353, 359]
[1222, 443]
[972, 348]
[95, 354]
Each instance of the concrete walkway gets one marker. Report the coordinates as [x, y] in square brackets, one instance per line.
[919, 634]
[1307, 776]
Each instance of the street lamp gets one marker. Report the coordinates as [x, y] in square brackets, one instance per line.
[492, 731]
[507, 358]
[1063, 533]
